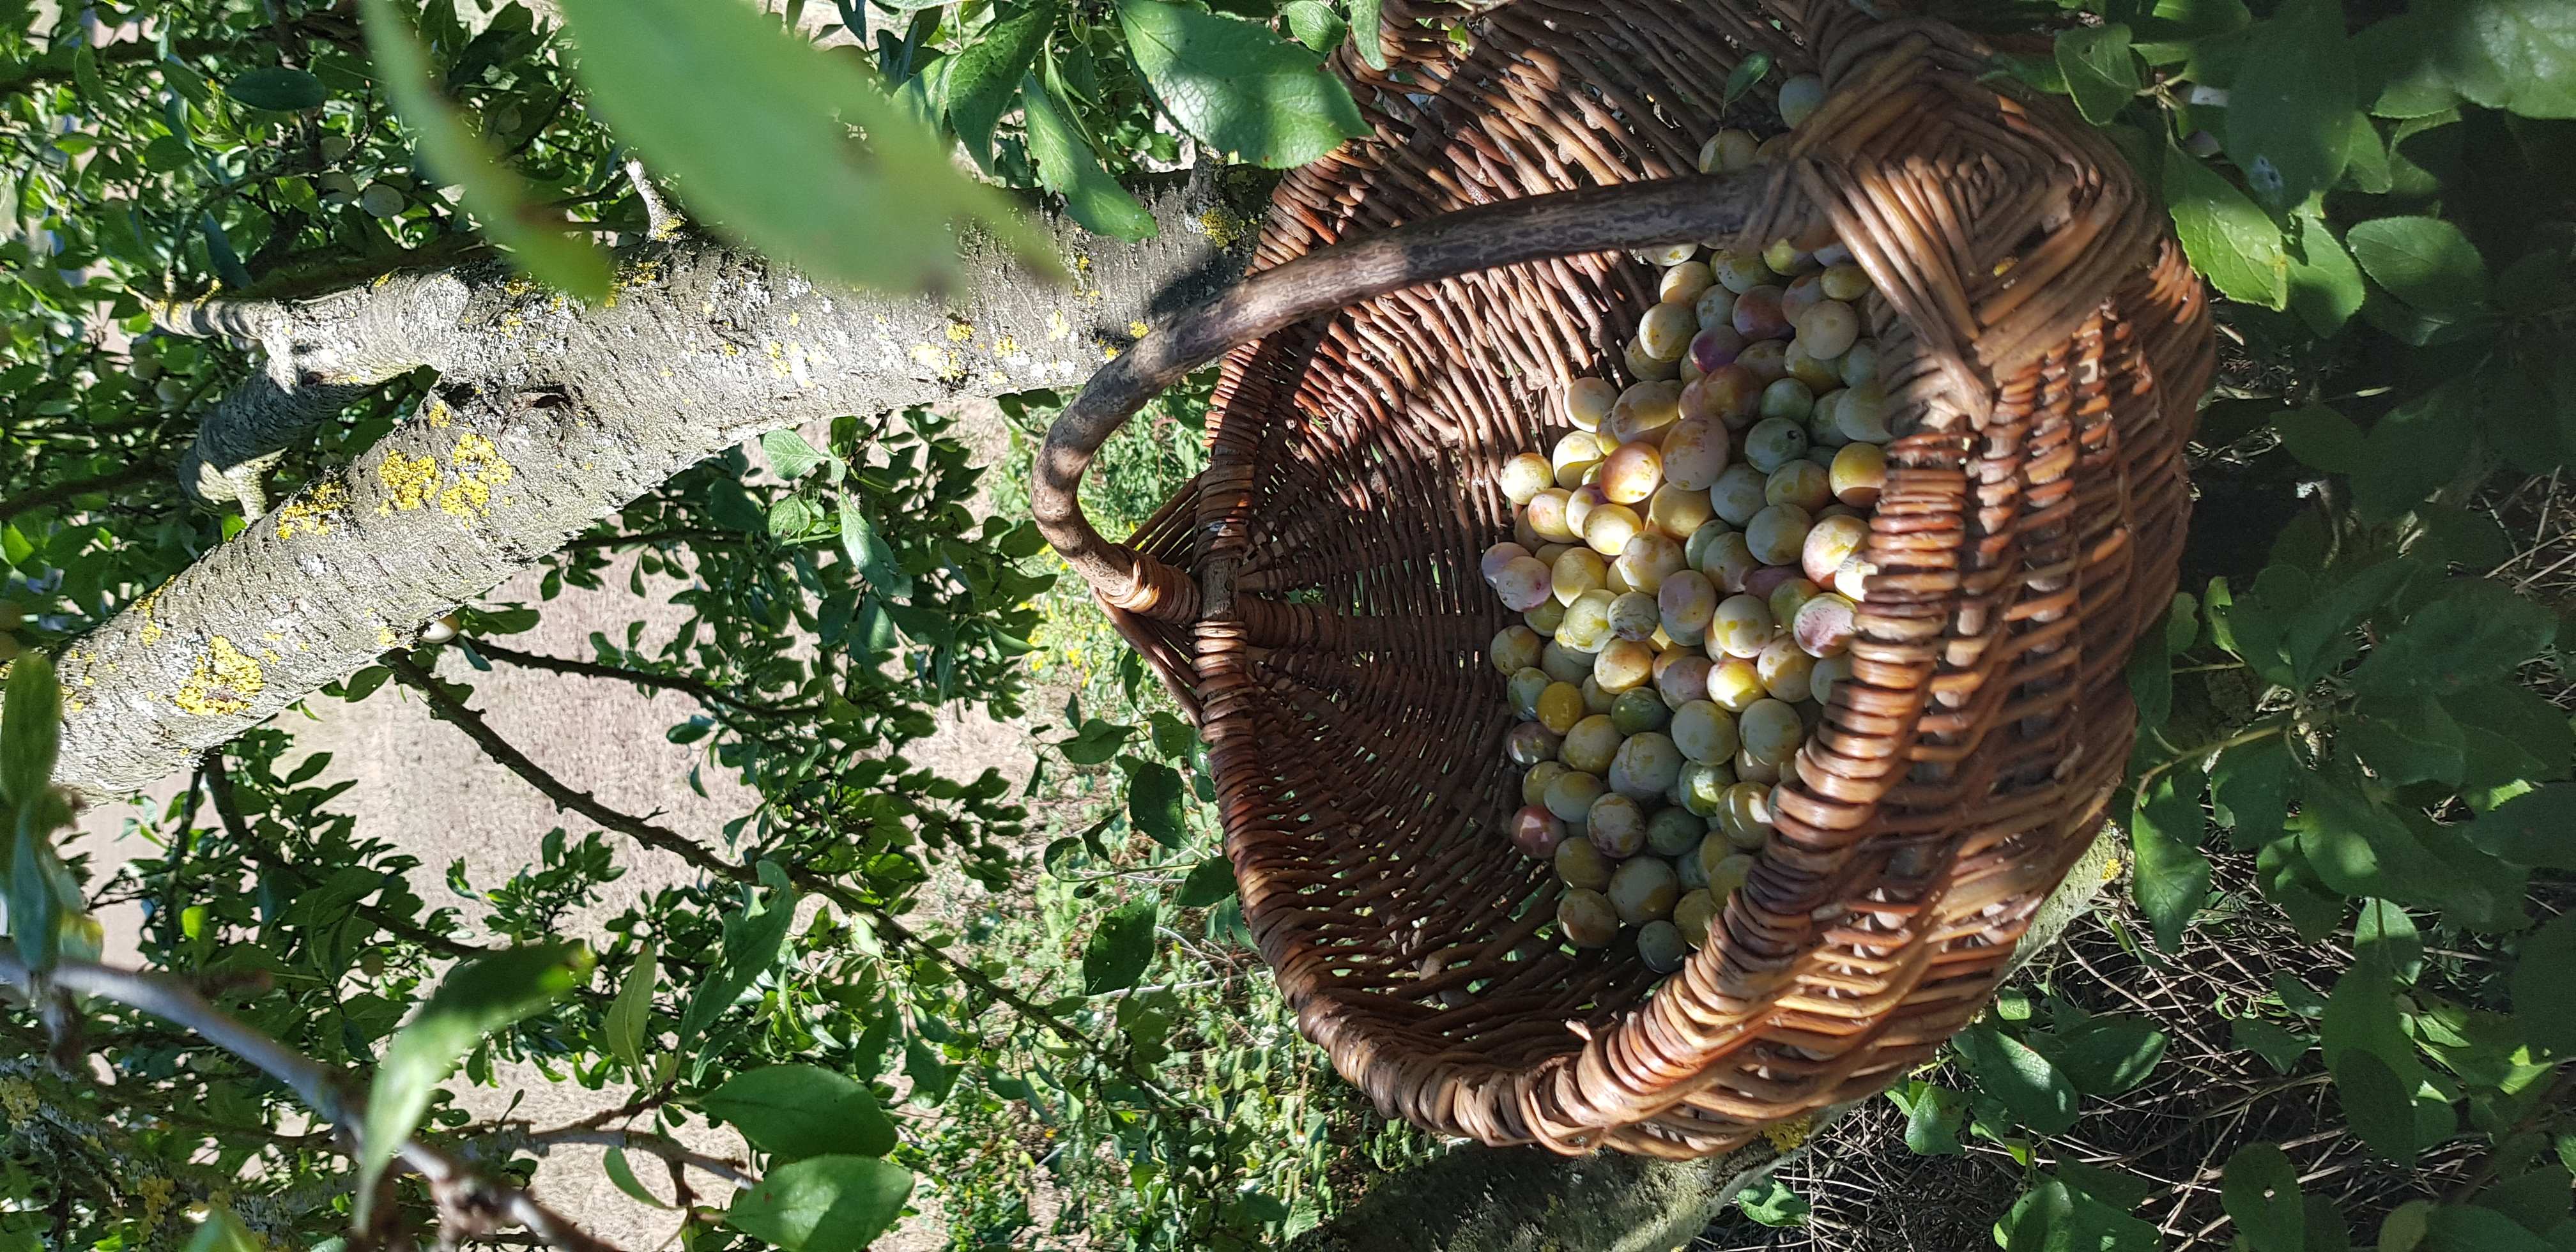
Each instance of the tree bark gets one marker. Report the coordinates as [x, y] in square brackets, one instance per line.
[549, 417]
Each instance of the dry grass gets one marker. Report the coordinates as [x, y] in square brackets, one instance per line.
[2174, 1134]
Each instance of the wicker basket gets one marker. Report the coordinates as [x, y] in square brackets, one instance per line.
[1313, 597]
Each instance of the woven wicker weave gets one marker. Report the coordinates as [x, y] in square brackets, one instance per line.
[1313, 597]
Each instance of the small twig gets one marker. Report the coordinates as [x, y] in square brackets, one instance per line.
[174, 1001]
[659, 220]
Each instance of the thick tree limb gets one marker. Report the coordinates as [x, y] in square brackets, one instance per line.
[461, 1189]
[553, 416]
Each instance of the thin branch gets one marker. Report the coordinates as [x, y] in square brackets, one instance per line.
[650, 538]
[663, 1146]
[139, 471]
[703, 690]
[450, 710]
[458, 1185]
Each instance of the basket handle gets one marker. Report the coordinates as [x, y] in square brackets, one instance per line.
[1511, 232]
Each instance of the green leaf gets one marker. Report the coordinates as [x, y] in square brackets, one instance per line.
[2366, 165]
[2252, 784]
[1210, 881]
[85, 73]
[2057, 1218]
[1119, 949]
[868, 550]
[2404, 1228]
[499, 201]
[2380, 1108]
[2279, 1048]
[1932, 1118]
[1746, 73]
[223, 1232]
[2101, 72]
[275, 87]
[1314, 24]
[2228, 238]
[2318, 636]
[1154, 804]
[2172, 876]
[2423, 261]
[2515, 55]
[798, 1111]
[2406, 739]
[2541, 1004]
[2417, 447]
[790, 457]
[475, 999]
[2397, 79]
[825, 1204]
[2384, 933]
[2286, 111]
[985, 76]
[2471, 1228]
[1368, 27]
[1070, 167]
[2458, 536]
[1096, 742]
[1771, 1202]
[2260, 1191]
[1237, 87]
[789, 518]
[39, 897]
[622, 1176]
[2031, 1089]
[2375, 1069]
[2106, 1055]
[2478, 632]
[752, 938]
[629, 1014]
[2322, 438]
[31, 729]
[755, 123]
[2537, 828]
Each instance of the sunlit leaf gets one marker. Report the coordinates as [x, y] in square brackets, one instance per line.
[499, 201]
[823, 1204]
[1237, 87]
[754, 124]
[473, 1000]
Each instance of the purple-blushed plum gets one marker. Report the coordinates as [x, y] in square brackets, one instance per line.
[1536, 832]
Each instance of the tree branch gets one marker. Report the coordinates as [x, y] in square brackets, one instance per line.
[448, 709]
[459, 1187]
[663, 1146]
[555, 415]
[139, 471]
[700, 689]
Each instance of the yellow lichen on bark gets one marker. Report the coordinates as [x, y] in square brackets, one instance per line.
[479, 468]
[410, 481]
[313, 512]
[221, 681]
